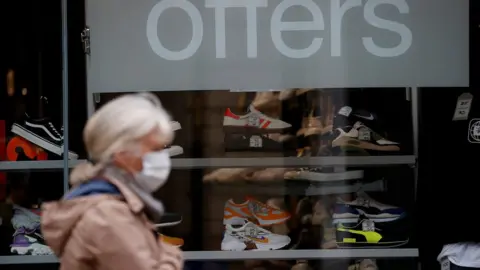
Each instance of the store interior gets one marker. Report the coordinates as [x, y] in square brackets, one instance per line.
[252, 155]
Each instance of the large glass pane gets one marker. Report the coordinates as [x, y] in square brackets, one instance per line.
[336, 162]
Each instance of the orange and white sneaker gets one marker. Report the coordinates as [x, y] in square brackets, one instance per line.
[174, 241]
[251, 209]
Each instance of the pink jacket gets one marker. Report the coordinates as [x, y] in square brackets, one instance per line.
[103, 232]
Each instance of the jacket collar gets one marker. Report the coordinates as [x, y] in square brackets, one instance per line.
[134, 203]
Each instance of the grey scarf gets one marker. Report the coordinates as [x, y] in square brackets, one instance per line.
[153, 208]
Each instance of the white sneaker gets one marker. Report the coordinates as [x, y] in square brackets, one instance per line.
[253, 121]
[252, 237]
[175, 150]
[175, 125]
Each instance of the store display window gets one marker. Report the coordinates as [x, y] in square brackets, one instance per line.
[296, 122]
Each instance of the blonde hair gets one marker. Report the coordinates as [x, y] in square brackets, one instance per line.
[118, 125]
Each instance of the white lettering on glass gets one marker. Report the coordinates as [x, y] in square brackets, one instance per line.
[220, 17]
[197, 30]
[277, 27]
[337, 12]
[401, 29]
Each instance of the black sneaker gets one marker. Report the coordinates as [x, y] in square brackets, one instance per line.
[169, 220]
[43, 133]
[358, 133]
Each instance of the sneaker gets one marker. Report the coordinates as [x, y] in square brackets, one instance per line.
[354, 129]
[29, 243]
[252, 209]
[175, 125]
[254, 121]
[350, 212]
[251, 237]
[169, 220]
[25, 218]
[174, 241]
[43, 133]
[368, 234]
[175, 150]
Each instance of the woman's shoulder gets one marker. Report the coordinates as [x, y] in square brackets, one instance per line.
[109, 208]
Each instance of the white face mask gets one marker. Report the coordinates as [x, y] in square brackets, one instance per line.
[156, 169]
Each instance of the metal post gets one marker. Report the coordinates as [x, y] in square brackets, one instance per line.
[415, 121]
[65, 94]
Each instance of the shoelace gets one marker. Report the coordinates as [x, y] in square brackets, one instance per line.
[259, 208]
[363, 201]
[54, 129]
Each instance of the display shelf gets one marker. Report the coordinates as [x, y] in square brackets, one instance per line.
[193, 163]
[31, 165]
[310, 254]
[190, 163]
[18, 259]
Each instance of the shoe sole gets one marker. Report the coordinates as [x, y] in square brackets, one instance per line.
[351, 142]
[33, 138]
[353, 218]
[263, 223]
[252, 130]
[365, 245]
[167, 224]
[242, 246]
[25, 251]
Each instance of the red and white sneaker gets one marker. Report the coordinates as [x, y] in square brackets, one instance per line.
[253, 121]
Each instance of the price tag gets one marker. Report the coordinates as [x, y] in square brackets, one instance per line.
[368, 226]
[474, 130]
[253, 121]
[364, 134]
[256, 141]
[464, 103]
